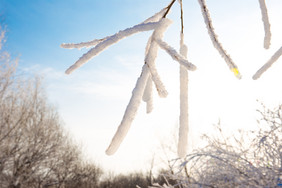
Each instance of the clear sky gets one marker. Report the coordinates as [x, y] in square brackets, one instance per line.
[92, 100]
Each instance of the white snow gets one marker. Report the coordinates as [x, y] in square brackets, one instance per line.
[216, 43]
[148, 95]
[152, 54]
[110, 41]
[82, 44]
[130, 111]
[183, 118]
[176, 56]
[268, 64]
[156, 17]
[267, 36]
[148, 71]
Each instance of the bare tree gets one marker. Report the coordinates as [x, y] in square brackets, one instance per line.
[35, 150]
[252, 159]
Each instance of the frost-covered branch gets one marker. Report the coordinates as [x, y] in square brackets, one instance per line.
[148, 72]
[266, 24]
[183, 118]
[215, 40]
[268, 64]
[152, 54]
[148, 95]
[183, 75]
[250, 159]
[83, 44]
[157, 17]
[176, 56]
[110, 41]
[130, 111]
[94, 42]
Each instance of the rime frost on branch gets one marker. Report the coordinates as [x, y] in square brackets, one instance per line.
[157, 17]
[149, 75]
[267, 36]
[139, 89]
[152, 52]
[104, 44]
[268, 64]
[130, 111]
[232, 66]
[82, 44]
[183, 118]
[148, 95]
[176, 56]
[143, 88]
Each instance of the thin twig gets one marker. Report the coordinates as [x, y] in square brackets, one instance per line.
[168, 8]
[181, 16]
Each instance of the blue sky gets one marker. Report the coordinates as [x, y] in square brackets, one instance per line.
[35, 27]
[92, 100]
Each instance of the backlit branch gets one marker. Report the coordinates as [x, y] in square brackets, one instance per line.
[232, 66]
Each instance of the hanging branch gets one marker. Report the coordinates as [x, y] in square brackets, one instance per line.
[148, 93]
[268, 64]
[130, 112]
[137, 94]
[215, 41]
[152, 54]
[266, 24]
[149, 74]
[183, 117]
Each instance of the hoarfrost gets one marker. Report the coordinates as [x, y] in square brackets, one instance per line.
[155, 17]
[130, 111]
[83, 44]
[214, 39]
[148, 71]
[176, 56]
[152, 54]
[148, 95]
[110, 41]
[267, 36]
[183, 118]
[268, 64]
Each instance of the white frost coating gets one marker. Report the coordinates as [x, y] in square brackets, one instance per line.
[176, 56]
[216, 43]
[152, 54]
[82, 44]
[148, 95]
[137, 93]
[148, 45]
[267, 36]
[183, 118]
[268, 64]
[110, 41]
[156, 17]
[130, 111]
